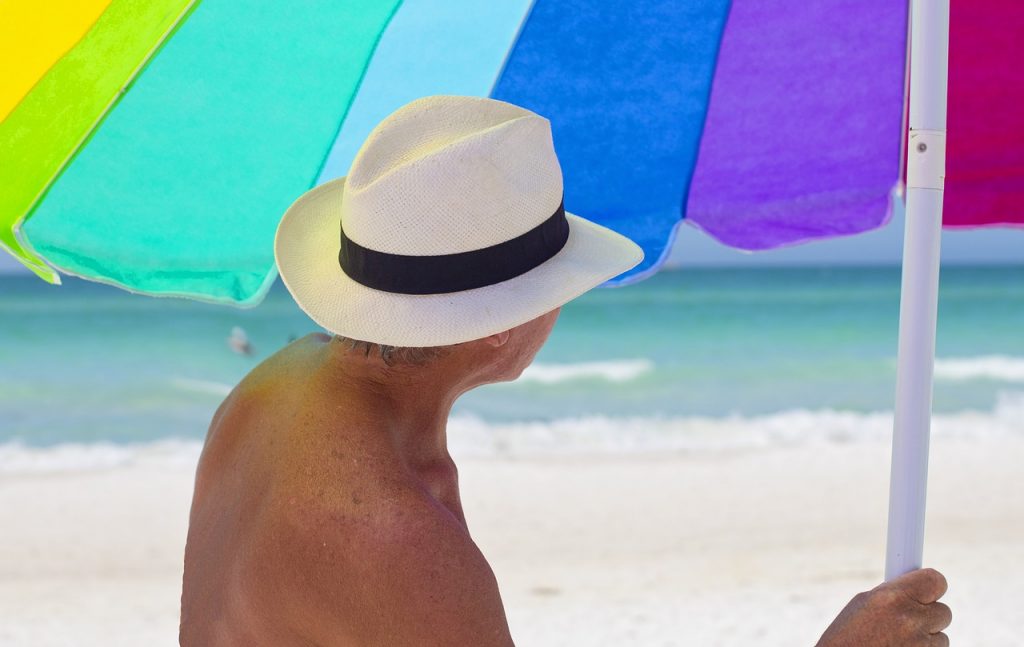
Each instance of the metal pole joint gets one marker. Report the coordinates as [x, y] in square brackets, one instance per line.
[926, 168]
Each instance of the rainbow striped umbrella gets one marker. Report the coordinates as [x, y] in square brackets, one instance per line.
[154, 144]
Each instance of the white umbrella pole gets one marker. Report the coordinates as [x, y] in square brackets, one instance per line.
[926, 148]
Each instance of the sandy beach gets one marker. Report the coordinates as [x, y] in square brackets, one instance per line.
[710, 548]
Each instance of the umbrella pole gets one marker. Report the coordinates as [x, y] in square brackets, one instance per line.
[926, 149]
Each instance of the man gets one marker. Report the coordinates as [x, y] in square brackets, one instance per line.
[326, 508]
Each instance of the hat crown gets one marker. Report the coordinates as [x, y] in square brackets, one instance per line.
[446, 174]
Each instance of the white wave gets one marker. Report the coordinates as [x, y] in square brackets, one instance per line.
[612, 371]
[471, 436]
[17, 458]
[990, 367]
[202, 386]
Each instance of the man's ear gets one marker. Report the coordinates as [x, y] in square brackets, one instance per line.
[497, 339]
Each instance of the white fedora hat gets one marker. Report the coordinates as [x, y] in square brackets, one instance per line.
[449, 227]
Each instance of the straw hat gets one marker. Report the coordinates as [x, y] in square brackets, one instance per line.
[449, 227]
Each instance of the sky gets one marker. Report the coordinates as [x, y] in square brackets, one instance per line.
[880, 247]
[884, 246]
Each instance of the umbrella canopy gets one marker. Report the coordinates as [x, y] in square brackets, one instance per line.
[154, 145]
[985, 159]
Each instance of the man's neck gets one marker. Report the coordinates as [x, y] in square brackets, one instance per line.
[411, 403]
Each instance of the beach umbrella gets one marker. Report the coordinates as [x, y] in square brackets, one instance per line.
[154, 144]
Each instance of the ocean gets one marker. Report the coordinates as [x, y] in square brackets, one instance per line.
[689, 360]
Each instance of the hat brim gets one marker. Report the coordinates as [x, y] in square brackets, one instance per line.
[306, 250]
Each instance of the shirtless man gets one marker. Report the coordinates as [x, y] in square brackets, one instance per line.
[326, 508]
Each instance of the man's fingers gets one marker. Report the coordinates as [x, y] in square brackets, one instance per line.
[938, 640]
[926, 585]
[937, 617]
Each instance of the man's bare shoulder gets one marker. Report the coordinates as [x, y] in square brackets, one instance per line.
[272, 386]
[296, 361]
[381, 569]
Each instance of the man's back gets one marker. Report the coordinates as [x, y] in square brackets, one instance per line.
[311, 525]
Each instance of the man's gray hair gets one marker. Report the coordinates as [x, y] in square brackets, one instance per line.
[396, 355]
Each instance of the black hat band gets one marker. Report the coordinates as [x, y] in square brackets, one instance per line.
[446, 273]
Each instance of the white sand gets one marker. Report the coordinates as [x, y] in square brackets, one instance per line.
[704, 549]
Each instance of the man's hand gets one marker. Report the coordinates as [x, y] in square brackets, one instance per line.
[902, 613]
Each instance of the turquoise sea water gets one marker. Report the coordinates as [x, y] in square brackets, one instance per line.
[734, 348]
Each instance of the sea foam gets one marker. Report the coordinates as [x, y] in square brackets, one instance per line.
[208, 387]
[471, 436]
[988, 367]
[18, 458]
[611, 371]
